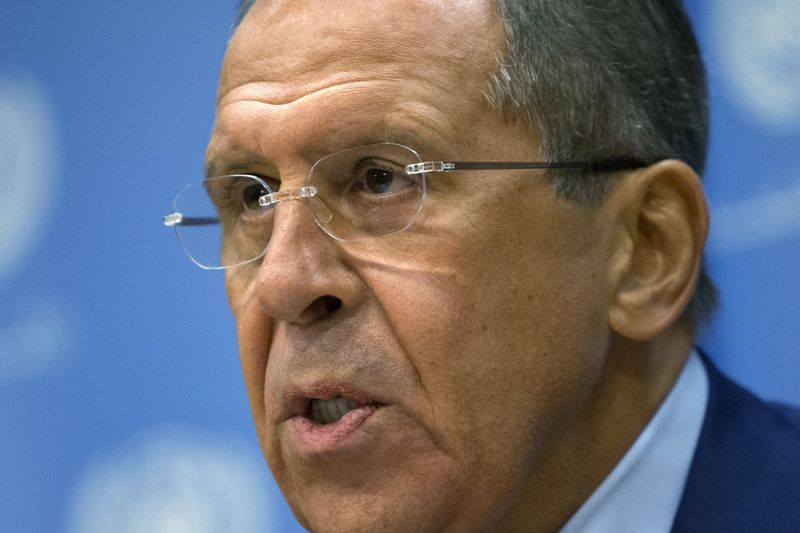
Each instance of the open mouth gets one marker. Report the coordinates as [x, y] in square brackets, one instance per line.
[325, 418]
[329, 411]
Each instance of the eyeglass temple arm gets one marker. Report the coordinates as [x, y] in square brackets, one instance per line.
[178, 219]
[447, 166]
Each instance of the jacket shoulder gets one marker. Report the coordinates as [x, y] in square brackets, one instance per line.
[790, 412]
[745, 474]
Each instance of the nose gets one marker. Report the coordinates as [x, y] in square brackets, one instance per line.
[303, 277]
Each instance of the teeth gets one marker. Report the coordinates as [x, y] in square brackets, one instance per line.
[329, 408]
[329, 411]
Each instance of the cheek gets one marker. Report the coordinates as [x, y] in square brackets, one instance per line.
[481, 322]
[254, 332]
[254, 338]
[502, 334]
[472, 291]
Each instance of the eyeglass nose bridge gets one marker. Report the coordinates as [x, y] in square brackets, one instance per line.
[321, 211]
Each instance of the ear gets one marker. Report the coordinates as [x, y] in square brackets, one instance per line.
[663, 222]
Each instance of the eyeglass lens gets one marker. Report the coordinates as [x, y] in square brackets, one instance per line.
[360, 192]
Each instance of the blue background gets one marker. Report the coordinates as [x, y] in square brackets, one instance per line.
[121, 398]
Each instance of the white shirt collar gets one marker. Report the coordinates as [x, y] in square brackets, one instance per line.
[644, 490]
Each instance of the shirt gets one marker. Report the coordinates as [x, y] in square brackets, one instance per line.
[644, 490]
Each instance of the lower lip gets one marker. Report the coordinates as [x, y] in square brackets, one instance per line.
[317, 438]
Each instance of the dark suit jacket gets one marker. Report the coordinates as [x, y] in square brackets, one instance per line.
[745, 474]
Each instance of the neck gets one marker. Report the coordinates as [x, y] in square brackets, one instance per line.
[636, 380]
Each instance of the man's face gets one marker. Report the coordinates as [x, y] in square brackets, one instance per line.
[468, 344]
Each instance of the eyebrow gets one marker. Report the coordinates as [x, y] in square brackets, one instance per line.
[331, 143]
[241, 160]
[224, 166]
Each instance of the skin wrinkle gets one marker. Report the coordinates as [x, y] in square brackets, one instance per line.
[365, 353]
[418, 375]
[439, 275]
[493, 358]
[337, 36]
[394, 267]
[256, 92]
[358, 354]
[406, 115]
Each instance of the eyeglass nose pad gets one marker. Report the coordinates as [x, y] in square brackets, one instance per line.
[321, 211]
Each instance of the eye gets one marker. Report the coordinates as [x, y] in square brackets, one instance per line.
[381, 178]
[249, 194]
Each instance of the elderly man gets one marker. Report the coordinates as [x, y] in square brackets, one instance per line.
[463, 243]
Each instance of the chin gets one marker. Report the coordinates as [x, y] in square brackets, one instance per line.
[370, 513]
[353, 497]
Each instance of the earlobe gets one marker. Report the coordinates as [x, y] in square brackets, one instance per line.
[663, 218]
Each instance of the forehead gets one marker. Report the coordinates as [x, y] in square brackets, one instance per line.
[297, 46]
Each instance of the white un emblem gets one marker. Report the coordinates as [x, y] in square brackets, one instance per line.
[34, 336]
[758, 44]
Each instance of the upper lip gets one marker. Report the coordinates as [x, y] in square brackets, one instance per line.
[298, 398]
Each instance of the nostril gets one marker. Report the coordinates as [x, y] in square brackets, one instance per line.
[322, 307]
[330, 304]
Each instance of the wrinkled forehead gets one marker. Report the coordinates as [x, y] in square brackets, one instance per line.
[300, 40]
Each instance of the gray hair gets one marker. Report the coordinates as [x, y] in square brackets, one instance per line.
[604, 79]
[244, 7]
